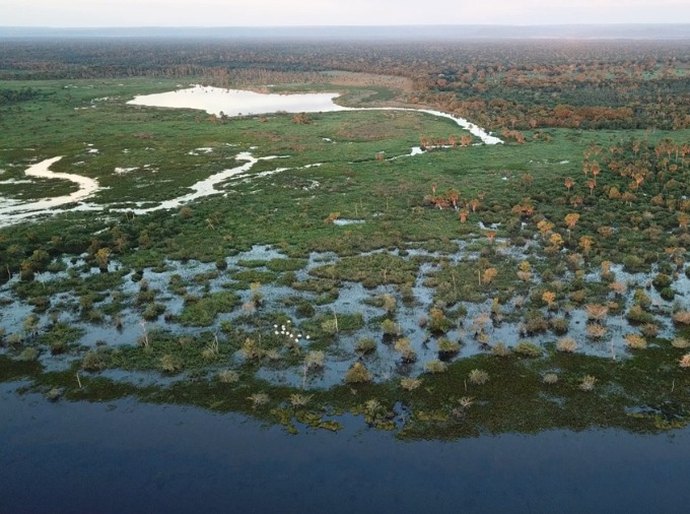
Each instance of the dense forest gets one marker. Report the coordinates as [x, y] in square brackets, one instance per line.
[503, 84]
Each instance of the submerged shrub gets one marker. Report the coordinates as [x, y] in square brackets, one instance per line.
[357, 374]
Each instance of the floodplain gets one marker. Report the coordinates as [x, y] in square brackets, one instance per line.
[378, 257]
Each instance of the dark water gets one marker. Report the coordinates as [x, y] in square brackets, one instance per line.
[129, 457]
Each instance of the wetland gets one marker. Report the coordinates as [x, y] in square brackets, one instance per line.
[348, 264]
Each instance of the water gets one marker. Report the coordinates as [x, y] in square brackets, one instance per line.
[125, 456]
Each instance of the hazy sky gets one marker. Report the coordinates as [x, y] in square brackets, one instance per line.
[99, 13]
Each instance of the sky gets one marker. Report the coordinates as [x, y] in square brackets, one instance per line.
[214, 13]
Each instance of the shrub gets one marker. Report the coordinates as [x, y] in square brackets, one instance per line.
[228, 376]
[435, 366]
[403, 347]
[438, 322]
[170, 363]
[357, 374]
[550, 378]
[390, 328]
[596, 331]
[560, 326]
[684, 361]
[478, 377]
[680, 342]
[501, 350]
[566, 345]
[93, 361]
[28, 355]
[637, 314]
[447, 348]
[410, 384]
[635, 341]
[314, 359]
[527, 349]
[650, 329]
[682, 317]
[587, 383]
[365, 346]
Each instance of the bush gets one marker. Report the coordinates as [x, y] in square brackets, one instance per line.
[478, 377]
[357, 374]
[365, 346]
[435, 366]
[527, 349]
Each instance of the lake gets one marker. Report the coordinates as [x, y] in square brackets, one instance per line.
[125, 456]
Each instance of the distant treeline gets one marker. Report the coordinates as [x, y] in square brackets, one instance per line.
[516, 85]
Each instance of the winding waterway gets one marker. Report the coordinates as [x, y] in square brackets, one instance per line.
[216, 101]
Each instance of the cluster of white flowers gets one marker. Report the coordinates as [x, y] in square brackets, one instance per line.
[290, 332]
